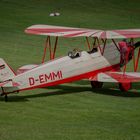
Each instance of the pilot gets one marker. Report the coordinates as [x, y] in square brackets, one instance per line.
[94, 49]
[75, 53]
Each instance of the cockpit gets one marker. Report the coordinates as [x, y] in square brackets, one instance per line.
[77, 53]
[74, 54]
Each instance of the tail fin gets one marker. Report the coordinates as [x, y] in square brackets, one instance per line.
[6, 72]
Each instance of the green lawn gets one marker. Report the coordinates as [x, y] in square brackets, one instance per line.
[70, 111]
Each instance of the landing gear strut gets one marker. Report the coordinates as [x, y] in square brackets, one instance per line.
[4, 94]
[6, 98]
[96, 84]
[125, 86]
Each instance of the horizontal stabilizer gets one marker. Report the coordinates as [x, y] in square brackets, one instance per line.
[117, 77]
[26, 68]
[9, 84]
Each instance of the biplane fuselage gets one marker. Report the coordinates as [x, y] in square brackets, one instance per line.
[97, 66]
[67, 69]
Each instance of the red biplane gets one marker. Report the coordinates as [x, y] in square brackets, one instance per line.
[105, 61]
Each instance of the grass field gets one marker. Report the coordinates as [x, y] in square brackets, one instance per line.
[70, 111]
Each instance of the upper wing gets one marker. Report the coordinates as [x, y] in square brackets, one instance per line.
[112, 34]
[77, 32]
[61, 31]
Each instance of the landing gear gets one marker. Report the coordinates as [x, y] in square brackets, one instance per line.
[4, 94]
[125, 86]
[6, 98]
[96, 84]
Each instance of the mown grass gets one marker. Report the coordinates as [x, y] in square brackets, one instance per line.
[70, 111]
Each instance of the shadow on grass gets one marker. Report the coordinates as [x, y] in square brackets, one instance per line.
[117, 92]
[67, 89]
[14, 98]
[82, 82]
[105, 90]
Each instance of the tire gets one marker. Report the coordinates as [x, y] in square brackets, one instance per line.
[125, 86]
[96, 84]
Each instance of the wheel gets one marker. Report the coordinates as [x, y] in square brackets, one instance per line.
[96, 84]
[125, 86]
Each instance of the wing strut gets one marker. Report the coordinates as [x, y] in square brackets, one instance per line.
[55, 46]
[136, 61]
[104, 45]
[52, 51]
[116, 45]
[45, 49]
[88, 43]
[98, 42]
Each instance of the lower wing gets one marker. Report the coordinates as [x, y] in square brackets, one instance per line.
[117, 77]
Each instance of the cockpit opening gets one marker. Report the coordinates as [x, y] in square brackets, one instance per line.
[94, 49]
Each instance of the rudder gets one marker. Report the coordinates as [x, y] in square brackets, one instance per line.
[6, 72]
